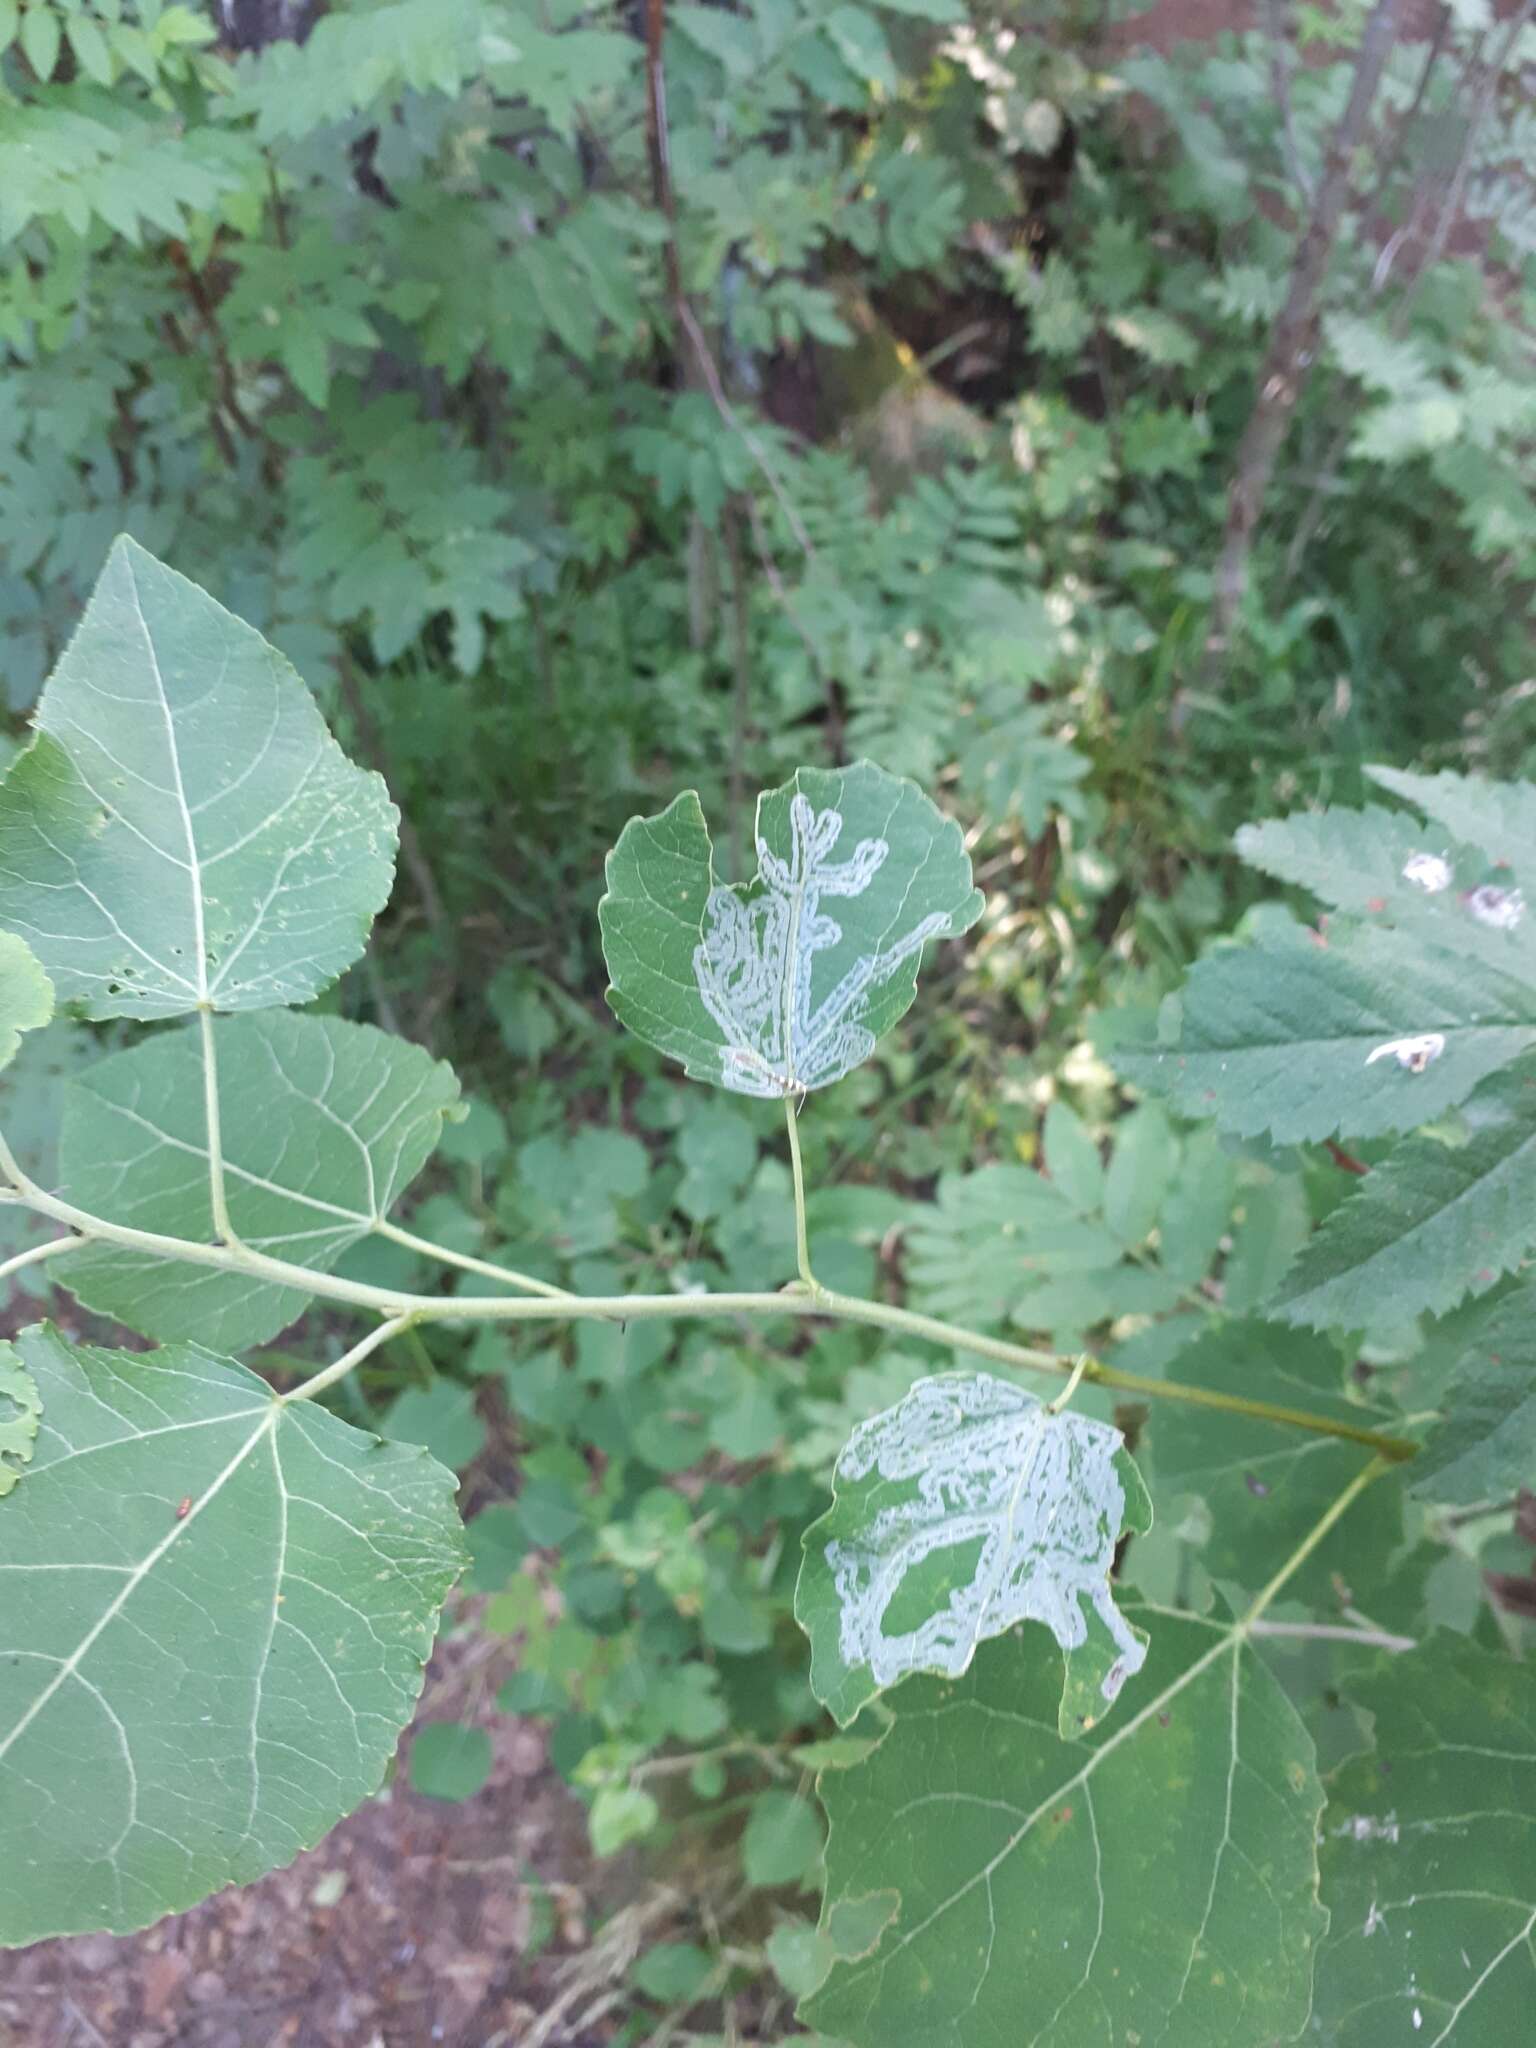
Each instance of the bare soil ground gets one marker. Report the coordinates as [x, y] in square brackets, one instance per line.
[409, 1927]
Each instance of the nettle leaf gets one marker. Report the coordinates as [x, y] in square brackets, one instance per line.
[323, 1125]
[966, 1508]
[784, 983]
[1429, 1857]
[1499, 818]
[1485, 1446]
[1153, 1879]
[1387, 867]
[217, 1609]
[1430, 1222]
[1364, 1032]
[20, 1408]
[26, 995]
[183, 831]
[1265, 1483]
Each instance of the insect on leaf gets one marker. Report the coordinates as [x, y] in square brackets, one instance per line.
[183, 831]
[189, 1698]
[786, 982]
[1371, 1032]
[1153, 1878]
[963, 1510]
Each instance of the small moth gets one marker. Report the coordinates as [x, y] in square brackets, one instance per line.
[1413, 1054]
[184, 1508]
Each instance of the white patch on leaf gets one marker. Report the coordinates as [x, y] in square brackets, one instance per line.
[754, 963]
[1428, 871]
[1038, 1491]
[1500, 909]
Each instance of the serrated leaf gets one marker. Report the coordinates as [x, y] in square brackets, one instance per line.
[965, 1509]
[20, 1407]
[217, 1610]
[1429, 1857]
[786, 983]
[1265, 1483]
[994, 1238]
[26, 995]
[1498, 817]
[1389, 867]
[323, 1125]
[1367, 1033]
[1155, 1878]
[1485, 1446]
[183, 830]
[1430, 1222]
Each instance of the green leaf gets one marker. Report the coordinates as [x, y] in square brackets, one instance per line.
[989, 1881]
[183, 830]
[1381, 864]
[26, 995]
[442, 1418]
[1429, 1857]
[1365, 1033]
[449, 1760]
[782, 1840]
[1485, 1446]
[996, 1236]
[40, 40]
[20, 1407]
[620, 1814]
[967, 1508]
[217, 1611]
[1430, 1222]
[761, 988]
[323, 1125]
[672, 1970]
[1072, 1158]
[1265, 1483]
[1497, 817]
[1140, 1169]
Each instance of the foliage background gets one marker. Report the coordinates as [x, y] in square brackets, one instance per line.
[885, 400]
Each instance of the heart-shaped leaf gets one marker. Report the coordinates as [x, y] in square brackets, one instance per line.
[183, 832]
[1154, 1879]
[966, 1508]
[215, 1609]
[783, 984]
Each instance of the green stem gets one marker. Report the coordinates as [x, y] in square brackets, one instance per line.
[36, 1252]
[797, 1301]
[223, 1229]
[1064, 1398]
[802, 1232]
[338, 1370]
[1298, 1557]
[491, 1271]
